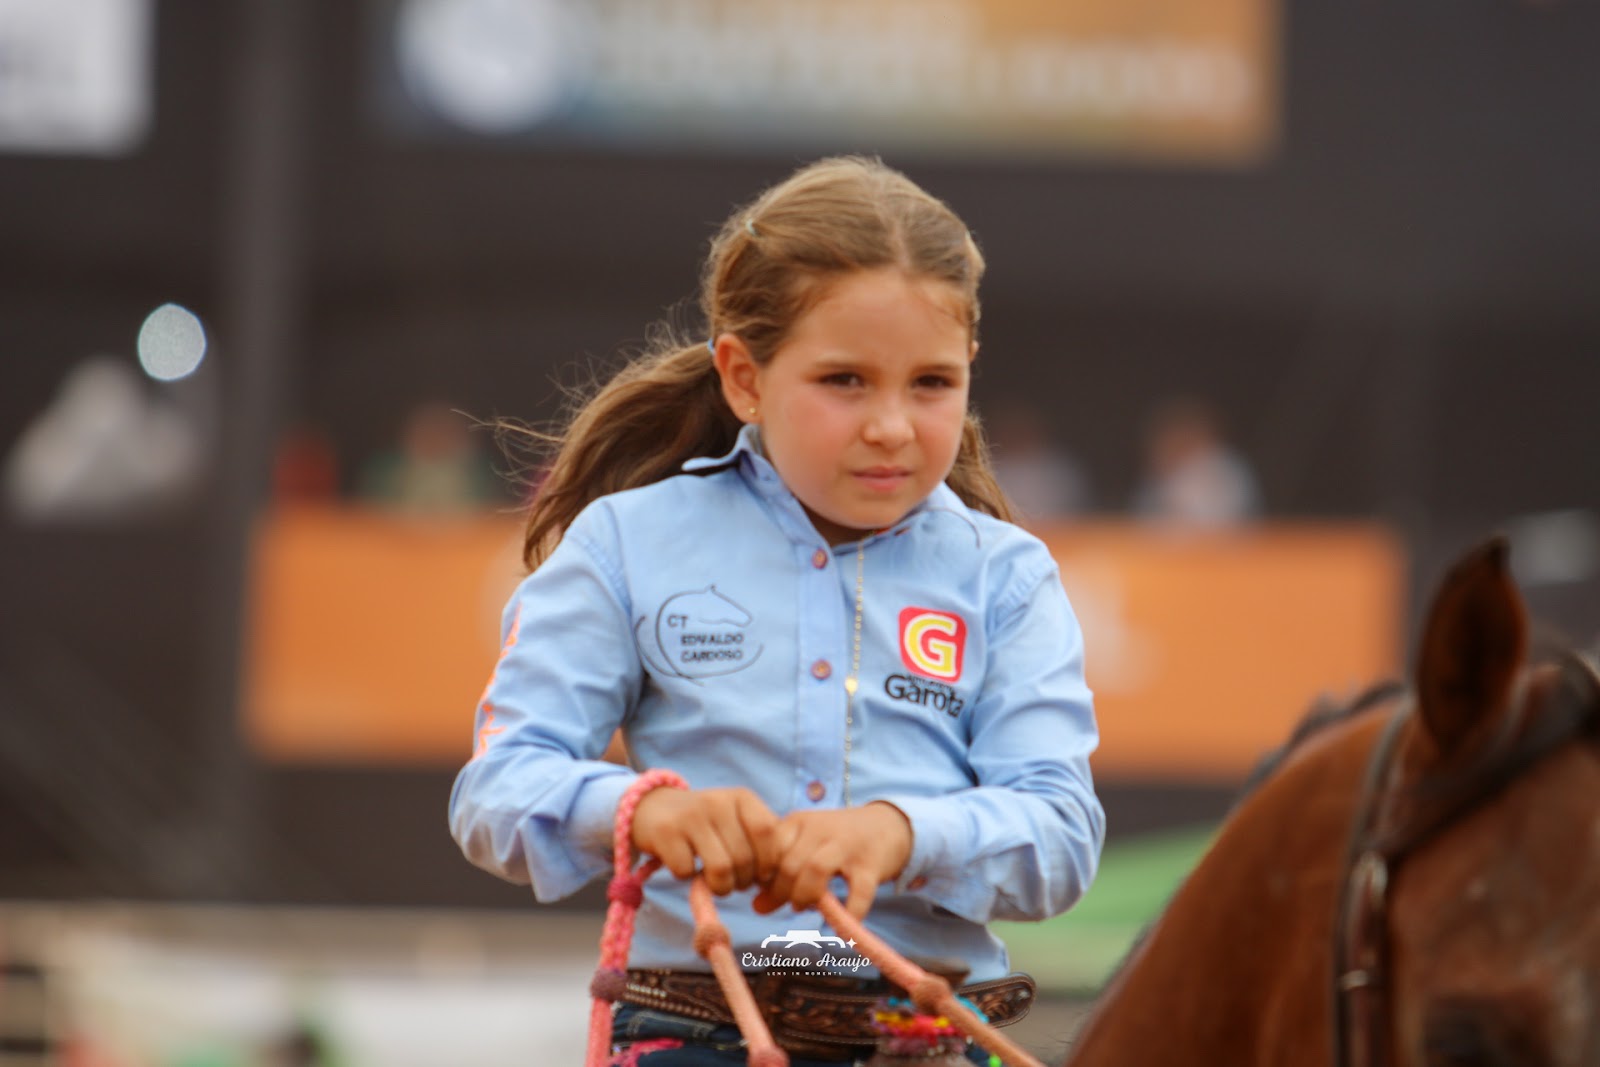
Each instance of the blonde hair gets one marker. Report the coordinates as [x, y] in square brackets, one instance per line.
[769, 263]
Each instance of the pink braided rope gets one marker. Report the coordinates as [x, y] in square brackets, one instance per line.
[930, 993]
[711, 943]
[625, 894]
[640, 1049]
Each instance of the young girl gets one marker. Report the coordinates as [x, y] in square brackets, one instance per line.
[779, 563]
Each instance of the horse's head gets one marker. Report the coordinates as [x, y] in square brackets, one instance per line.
[1415, 882]
[1492, 813]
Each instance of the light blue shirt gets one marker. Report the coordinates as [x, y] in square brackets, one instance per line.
[706, 617]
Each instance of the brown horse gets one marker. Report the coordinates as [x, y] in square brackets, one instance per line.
[1416, 883]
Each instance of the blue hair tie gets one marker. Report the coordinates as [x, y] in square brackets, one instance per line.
[711, 345]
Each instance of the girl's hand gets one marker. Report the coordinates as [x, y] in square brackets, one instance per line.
[868, 846]
[730, 832]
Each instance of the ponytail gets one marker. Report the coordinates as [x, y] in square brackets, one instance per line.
[973, 478]
[659, 411]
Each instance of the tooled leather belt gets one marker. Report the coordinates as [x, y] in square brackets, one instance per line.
[816, 1016]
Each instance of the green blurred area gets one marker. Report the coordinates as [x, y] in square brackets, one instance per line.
[1075, 953]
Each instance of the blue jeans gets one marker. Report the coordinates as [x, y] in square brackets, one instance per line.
[705, 1044]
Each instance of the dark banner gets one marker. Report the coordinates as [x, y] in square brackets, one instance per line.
[1163, 81]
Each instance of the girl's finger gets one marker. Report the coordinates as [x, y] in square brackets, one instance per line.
[778, 843]
[862, 892]
[715, 862]
[765, 903]
[785, 836]
[815, 874]
[676, 855]
[761, 831]
[737, 847]
[778, 891]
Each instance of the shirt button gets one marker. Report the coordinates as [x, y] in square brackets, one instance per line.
[816, 791]
[919, 882]
[821, 669]
[819, 559]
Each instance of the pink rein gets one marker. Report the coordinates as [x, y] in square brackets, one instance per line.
[930, 994]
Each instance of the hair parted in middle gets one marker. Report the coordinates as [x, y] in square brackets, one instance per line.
[772, 261]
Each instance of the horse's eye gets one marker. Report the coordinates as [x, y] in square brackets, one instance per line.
[1463, 1033]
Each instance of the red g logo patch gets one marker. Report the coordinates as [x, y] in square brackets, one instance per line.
[932, 643]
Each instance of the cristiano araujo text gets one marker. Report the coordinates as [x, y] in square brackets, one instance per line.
[826, 961]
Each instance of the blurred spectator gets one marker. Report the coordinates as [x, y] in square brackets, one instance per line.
[437, 468]
[305, 467]
[1192, 477]
[1042, 481]
[302, 1045]
[105, 448]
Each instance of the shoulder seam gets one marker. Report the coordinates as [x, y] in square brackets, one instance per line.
[1025, 588]
[608, 568]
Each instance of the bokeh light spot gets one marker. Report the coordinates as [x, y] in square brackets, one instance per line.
[172, 342]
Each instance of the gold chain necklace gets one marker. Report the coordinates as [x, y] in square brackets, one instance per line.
[850, 682]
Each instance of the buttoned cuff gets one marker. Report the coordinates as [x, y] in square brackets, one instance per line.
[939, 830]
[593, 822]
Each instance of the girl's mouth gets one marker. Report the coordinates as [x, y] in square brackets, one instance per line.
[883, 479]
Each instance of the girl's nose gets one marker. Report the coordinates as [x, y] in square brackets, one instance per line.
[888, 425]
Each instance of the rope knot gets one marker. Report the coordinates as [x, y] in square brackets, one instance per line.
[608, 984]
[708, 936]
[626, 890]
[626, 893]
[930, 994]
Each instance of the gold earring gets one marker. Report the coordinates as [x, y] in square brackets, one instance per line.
[752, 413]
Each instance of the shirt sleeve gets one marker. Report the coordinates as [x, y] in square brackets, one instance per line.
[535, 803]
[1024, 843]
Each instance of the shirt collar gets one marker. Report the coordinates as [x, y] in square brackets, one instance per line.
[750, 458]
[748, 443]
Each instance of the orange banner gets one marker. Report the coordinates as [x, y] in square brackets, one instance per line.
[371, 635]
[1204, 650]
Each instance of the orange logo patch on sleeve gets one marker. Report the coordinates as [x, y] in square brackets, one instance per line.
[932, 643]
[487, 727]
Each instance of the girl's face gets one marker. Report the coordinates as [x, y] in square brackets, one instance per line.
[861, 408]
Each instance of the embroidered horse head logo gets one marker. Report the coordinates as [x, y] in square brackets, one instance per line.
[698, 634]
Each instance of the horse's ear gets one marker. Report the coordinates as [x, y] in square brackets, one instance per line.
[1472, 646]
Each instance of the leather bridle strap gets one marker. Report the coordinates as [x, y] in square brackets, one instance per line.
[1361, 936]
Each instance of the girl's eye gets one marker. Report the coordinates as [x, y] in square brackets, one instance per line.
[845, 378]
[934, 381]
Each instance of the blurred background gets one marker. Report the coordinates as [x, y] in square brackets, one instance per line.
[1286, 305]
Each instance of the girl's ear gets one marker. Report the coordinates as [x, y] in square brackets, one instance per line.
[740, 377]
